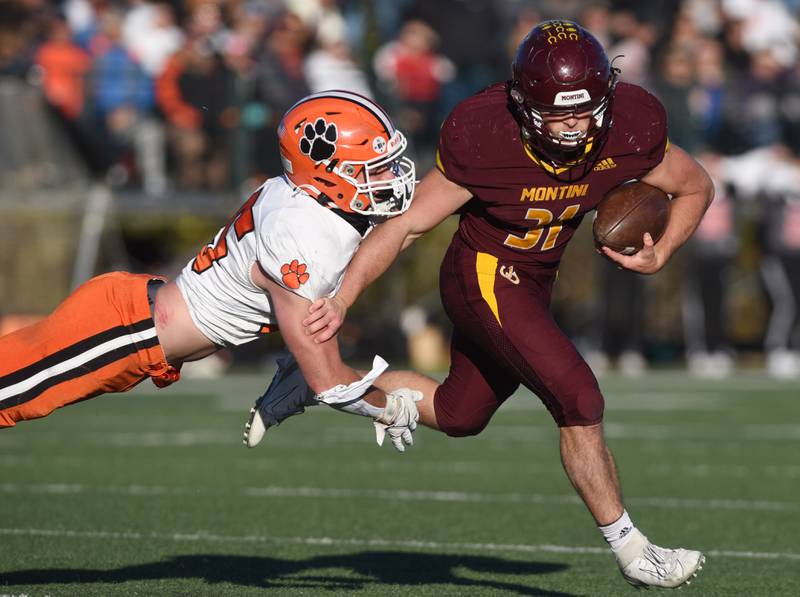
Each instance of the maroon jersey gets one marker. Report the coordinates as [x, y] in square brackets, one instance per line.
[520, 213]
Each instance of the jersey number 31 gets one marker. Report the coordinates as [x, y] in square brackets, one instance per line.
[543, 219]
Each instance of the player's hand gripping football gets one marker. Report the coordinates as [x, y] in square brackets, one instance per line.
[399, 418]
[325, 317]
[644, 261]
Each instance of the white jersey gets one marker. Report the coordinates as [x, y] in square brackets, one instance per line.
[298, 243]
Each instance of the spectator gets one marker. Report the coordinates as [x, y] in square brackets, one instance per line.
[772, 177]
[760, 16]
[790, 111]
[123, 107]
[151, 35]
[16, 40]
[780, 268]
[411, 70]
[472, 35]
[597, 19]
[710, 259]
[758, 104]
[64, 66]
[330, 65]
[371, 24]
[195, 92]
[673, 89]
[281, 81]
[633, 47]
[250, 21]
[707, 98]
[618, 327]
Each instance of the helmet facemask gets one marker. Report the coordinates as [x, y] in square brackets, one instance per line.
[561, 69]
[566, 149]
[383, 186]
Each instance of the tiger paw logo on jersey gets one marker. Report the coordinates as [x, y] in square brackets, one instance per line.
[294, 274]
[319, 140]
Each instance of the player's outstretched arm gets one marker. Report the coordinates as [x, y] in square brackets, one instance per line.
[435, 198]
[394, 413]
[692, 192]
[321, 365]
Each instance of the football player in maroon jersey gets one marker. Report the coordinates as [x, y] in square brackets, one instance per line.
[523, 162]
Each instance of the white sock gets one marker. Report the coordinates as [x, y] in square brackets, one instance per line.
[618, 533]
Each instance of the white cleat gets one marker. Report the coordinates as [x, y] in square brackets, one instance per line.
[288, 394]
[645, 565]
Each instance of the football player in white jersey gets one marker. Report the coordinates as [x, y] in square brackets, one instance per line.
[288, 245]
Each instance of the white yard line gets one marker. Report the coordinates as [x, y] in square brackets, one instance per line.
[496, 435]
[204, 536]
[461, 496]
[396, 495]
[448, 468]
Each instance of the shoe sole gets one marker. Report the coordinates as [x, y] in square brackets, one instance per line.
[699, 567]
[254, 430]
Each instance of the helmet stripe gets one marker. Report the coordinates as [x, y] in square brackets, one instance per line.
[362, 101]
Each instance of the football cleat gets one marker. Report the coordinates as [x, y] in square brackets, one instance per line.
[288, 394]
[645, 565]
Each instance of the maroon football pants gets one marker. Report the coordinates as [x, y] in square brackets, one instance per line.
[505, 336]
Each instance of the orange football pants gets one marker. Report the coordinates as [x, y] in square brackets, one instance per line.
[101, 339]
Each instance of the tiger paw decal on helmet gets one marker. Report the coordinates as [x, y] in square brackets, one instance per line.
[342, 149]
[294, 274]
[319, 140]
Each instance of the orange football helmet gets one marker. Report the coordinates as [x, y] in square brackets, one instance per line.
[342, 149]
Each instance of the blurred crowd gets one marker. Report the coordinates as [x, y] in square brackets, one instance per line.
[171, 96]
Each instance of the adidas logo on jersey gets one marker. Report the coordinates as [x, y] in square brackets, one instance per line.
[605, 164]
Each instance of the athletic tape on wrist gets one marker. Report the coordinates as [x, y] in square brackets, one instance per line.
[348, 398]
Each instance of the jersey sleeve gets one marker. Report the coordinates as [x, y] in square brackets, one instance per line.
[301, 254]
[649, 128]
[450, 154]
[469, 149]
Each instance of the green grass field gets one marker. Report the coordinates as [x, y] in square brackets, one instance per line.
[152, 493]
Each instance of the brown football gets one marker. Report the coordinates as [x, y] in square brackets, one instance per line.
[627, 212]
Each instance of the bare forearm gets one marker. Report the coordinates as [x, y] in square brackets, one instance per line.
[372, 259]
[323, 374]
[321, 364]
[692, 191]
[435, 199]
[324, 370]
[686, 211]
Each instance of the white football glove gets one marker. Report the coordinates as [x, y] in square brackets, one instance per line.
[399, 418]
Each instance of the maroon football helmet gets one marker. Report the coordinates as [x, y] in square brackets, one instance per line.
[561, 69]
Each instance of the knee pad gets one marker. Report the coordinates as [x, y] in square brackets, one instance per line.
[584, 407]
[454, 419]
